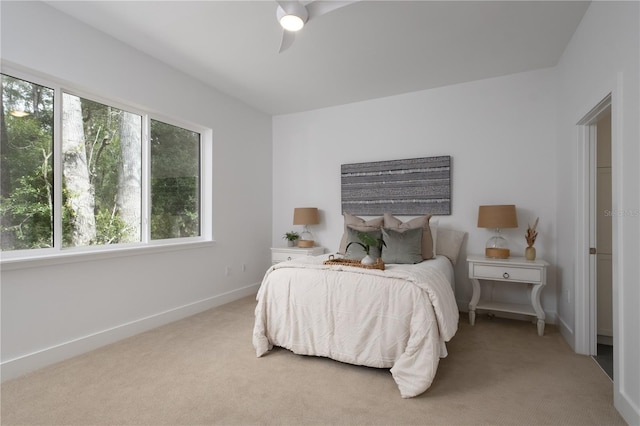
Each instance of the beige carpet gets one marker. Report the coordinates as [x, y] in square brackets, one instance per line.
[203, 370]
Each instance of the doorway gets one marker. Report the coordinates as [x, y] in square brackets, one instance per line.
[595, 235]
[603, 245]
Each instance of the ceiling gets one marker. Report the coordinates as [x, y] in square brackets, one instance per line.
[366, 50]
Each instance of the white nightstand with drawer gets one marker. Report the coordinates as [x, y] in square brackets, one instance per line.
[281, 254]
[517, 270]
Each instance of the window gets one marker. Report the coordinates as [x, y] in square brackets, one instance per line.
[26, 165]
[174, 181]
[101, 169]
[108, 181]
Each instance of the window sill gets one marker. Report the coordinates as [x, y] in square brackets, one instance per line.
[73, 256]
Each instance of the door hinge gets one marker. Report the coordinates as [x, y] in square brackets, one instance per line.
[592, 250]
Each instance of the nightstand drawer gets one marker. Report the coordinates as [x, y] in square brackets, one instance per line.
[279, 254]
[489, 272]
[281, 257]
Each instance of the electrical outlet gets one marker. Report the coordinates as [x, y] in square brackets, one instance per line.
[227, 270]
[244, 268]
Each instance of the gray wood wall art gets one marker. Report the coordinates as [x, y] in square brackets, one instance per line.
[411, 187]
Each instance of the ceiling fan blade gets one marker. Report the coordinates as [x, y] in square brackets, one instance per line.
[319, 7]
[287, 40]
[289, 6]
[305, 12]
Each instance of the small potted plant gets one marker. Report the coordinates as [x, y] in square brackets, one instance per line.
[368, 241]
[291, 238]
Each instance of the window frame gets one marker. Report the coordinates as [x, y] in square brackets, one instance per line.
[58, 254]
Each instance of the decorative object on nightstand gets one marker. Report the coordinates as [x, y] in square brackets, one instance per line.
[530, 251]
[516, 270]
[291, 238]
[306, 216]
[497, 217]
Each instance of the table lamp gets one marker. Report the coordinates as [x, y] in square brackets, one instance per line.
[497, 217]
[305, 216]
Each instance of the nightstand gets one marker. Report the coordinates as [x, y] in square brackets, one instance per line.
[281, 254]
[515, 270]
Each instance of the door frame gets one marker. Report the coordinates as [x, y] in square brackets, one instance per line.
[586, 281]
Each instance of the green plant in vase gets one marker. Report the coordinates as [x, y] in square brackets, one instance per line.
[291, 238]
[367, 241]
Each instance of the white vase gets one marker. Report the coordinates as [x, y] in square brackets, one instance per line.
[368, 260]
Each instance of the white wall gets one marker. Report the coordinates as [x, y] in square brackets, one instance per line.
[51, 312]
[500, 133]
[603, 58]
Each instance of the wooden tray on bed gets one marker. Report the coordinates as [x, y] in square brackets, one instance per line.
[354, 262]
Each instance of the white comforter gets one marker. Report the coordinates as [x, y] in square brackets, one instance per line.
[398, 318]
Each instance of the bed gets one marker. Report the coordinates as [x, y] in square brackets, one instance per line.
[398, 318]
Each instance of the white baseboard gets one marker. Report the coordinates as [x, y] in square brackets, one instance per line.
[629, 411]
[605, 340]
[24, 364]
[567, 333]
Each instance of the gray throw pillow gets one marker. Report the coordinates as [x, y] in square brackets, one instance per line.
[402, 247]
[355, 222]
[356, 251]
[424, 222]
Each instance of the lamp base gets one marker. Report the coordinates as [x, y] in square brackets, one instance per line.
[497, 253]
[305, 243]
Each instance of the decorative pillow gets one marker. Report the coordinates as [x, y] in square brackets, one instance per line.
[358, 224]
[402, 246]
[449, 243]
[391, 222]
[355, 251]
[433, 227]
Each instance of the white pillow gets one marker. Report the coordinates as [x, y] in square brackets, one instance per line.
[433, 224]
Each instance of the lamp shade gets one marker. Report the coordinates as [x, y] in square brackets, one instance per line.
[305, 216]
[497, 217]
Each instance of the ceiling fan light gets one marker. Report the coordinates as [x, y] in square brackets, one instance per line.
[291, 22]
[18, 113]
